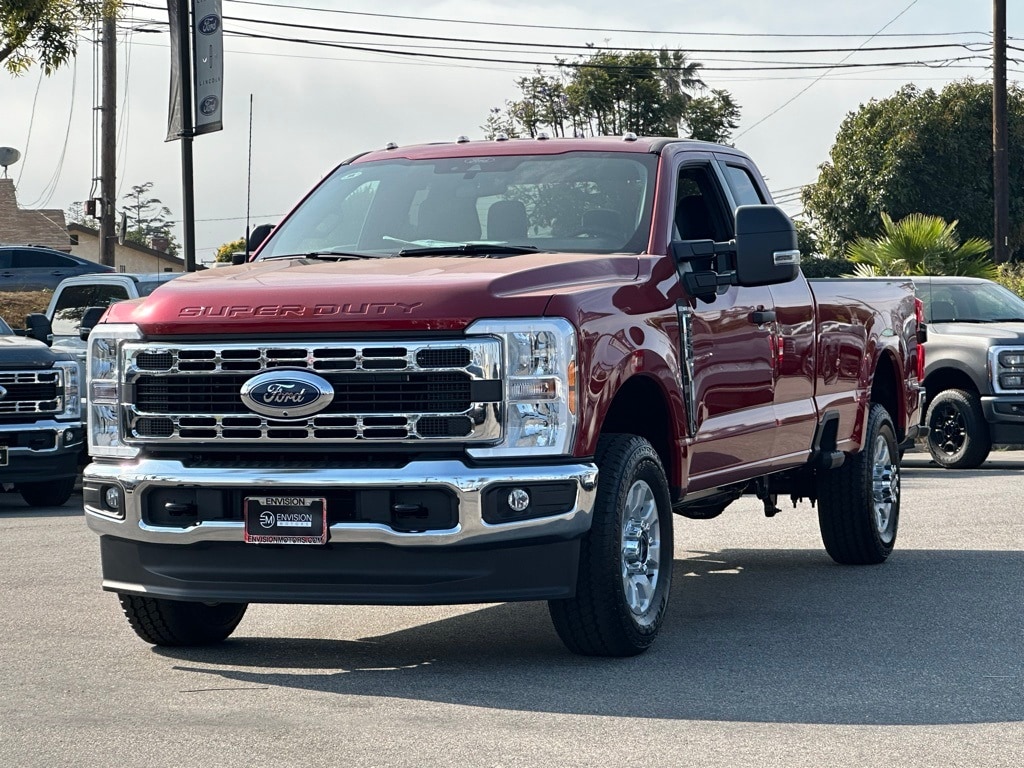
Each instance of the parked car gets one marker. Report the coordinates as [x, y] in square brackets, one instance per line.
[34, 268]
[974, 368]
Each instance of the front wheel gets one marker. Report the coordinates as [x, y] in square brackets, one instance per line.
[625, 569]
[958, 436]
[178, 623]
[859, 502]
[49, 494]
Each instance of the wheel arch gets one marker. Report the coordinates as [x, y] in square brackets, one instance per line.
[885, 391]
[948, 377]
[640, 407]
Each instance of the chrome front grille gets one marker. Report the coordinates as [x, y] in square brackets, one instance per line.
[411, 392]
[30, 393]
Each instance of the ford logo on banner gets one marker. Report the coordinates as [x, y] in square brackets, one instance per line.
[287, 394]
[208, 24]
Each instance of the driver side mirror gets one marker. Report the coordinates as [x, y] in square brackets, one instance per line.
[38, 327]
[257, 236]
[90, 318]
[766, 246]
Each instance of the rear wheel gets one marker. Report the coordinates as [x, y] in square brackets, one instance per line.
[175, 622]
[625, 569]
[859, 502]
[958, 436]
[49, 494]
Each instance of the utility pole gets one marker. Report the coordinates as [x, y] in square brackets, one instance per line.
[1000, 154]
[108, 138]
[188, 223]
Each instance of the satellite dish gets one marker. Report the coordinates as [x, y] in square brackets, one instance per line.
[8, 156]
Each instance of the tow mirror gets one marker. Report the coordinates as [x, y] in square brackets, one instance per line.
[766, 246]
[90, 318]
[37, 326]
[257, 236]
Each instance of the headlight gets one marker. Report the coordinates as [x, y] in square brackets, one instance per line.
[72, 391]
[104, 376]
[540, 386]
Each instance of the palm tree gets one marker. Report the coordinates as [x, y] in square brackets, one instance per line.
[680, 78]
[920, 245]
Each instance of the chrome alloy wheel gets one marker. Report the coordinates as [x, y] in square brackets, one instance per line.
[641, 548]
[885, 489]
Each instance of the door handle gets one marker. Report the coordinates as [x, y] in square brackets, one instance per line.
[762, 316]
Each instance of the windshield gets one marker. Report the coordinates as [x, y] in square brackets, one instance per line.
[592, 202]
[969, 303]
[5, 329]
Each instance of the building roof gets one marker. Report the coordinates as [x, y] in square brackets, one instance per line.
[18, 226]
[84, 230]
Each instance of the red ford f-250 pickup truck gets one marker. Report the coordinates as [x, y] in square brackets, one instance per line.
[490, 371]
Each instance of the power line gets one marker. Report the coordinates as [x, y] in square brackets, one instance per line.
[815, 82]
[591, 65]
[571, 49]
[278, 7]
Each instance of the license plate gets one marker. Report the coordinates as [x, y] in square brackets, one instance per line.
[3, 455]
[285, 520]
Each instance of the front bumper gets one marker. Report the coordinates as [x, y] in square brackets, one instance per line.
[362, 562]
[1005, 417]
[41, 451]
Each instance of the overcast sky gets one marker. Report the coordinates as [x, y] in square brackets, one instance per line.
[313, 106]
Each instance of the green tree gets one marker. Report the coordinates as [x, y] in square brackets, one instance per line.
[918, 151]
[713, 117]
[612, 93]
[225, 251]
[148, 217]
[920, 245]
[45, 31]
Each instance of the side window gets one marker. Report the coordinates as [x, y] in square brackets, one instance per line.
[5, 259]
[75, 299]
[699, 201]
[742, 185]
[41, 259]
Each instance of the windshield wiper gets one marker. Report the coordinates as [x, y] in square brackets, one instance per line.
[327, 256]
[469, 249]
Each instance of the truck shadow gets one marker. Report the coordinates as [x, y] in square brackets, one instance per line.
[996, 462]
[932, 637]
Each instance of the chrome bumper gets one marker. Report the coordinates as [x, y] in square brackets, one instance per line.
[467, 483]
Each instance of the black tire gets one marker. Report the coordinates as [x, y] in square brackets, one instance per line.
[859, 502]
[53, 493]
[177, 623]
[958, 436]
[625, 569]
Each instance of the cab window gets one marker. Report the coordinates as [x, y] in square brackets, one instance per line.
[75, 299]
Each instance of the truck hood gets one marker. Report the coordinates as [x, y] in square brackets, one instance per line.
[19, 352]
[996, 333]
[400, 294]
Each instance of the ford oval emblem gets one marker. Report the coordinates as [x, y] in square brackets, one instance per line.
[208, 24]
[287, 394]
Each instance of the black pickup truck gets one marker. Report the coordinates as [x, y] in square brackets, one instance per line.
[974, 368]
[41, 433]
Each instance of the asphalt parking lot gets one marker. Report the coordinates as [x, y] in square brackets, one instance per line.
[772, 655]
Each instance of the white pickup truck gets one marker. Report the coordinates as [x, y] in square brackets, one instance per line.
[74, 295]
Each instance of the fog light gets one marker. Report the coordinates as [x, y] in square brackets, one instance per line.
[518, 500]
[69, 436]
[112, 497]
